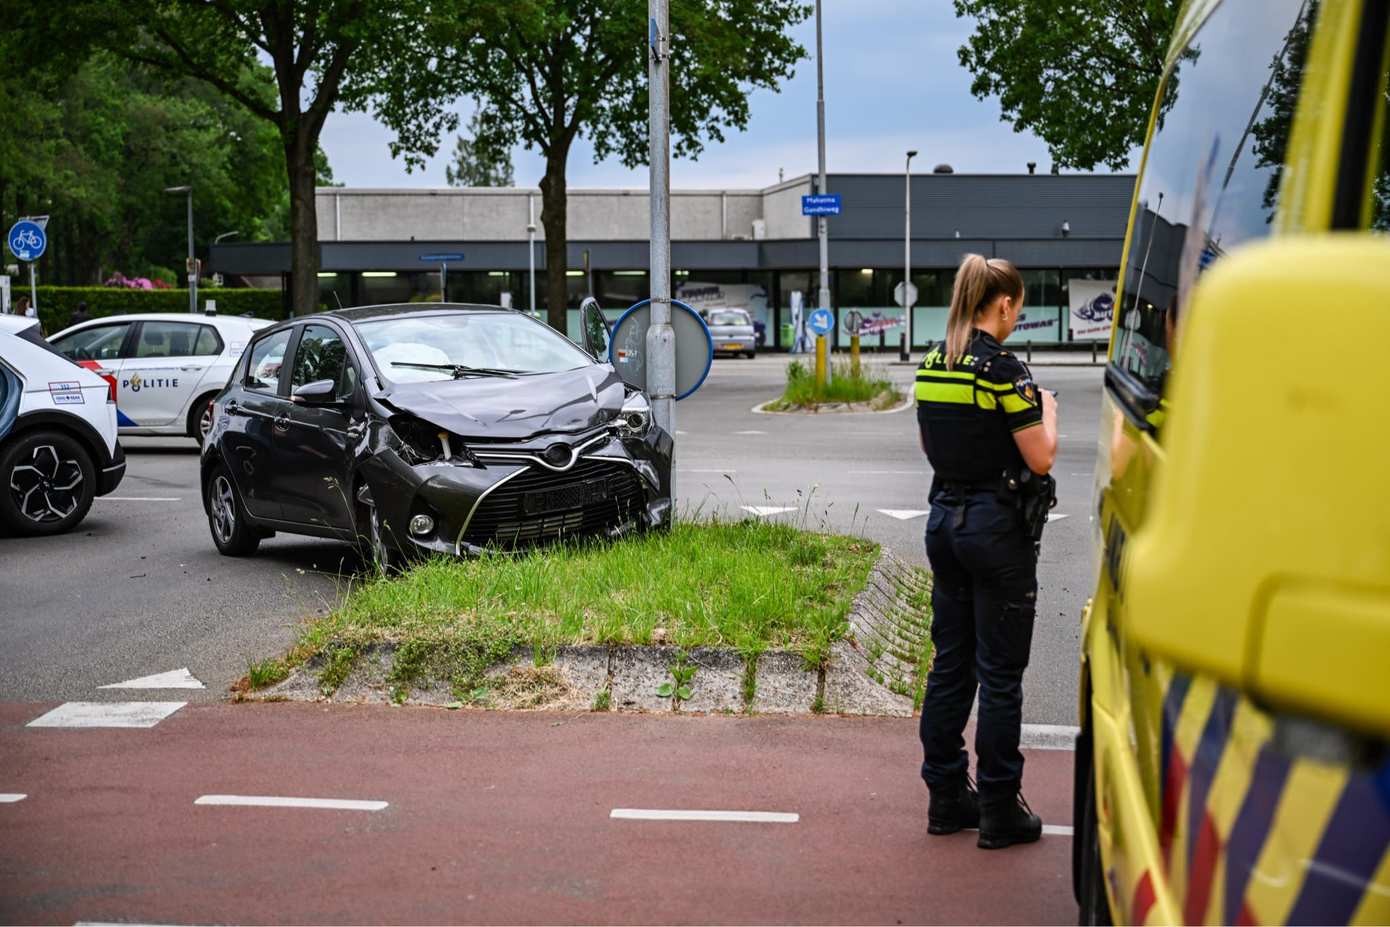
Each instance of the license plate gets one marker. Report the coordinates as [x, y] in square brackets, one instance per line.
[733, 345]
[572, 496]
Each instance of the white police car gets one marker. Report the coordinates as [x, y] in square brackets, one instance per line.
[58, 447]
[167, 367]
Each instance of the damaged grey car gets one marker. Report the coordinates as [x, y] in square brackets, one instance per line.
[426, 429]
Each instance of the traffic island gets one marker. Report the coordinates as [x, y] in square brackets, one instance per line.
[745, 617]
[851, 388]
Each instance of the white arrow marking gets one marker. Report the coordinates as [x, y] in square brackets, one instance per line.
[903, 514]
[749, 817]
[276, 801]
[7, 798]
[763, 511]
[1053, 516]
[174, 679]
[107, 714]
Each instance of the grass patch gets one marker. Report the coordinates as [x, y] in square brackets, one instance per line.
[747, 586]
[265, 673]
[865, 385]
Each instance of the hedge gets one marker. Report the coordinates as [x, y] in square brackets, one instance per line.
[57, 303]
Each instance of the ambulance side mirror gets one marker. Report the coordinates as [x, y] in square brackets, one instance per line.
[1265, 560]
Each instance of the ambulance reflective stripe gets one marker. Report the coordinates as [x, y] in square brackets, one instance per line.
[1251, 834]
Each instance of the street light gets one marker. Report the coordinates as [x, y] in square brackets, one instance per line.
[192, 269]
[218, 239]
[906, 351]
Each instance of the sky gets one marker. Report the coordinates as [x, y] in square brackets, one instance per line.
[893, 82]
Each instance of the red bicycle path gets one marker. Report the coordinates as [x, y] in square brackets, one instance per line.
[501, 818]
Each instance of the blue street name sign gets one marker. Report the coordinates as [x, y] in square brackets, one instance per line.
[27, 240]
[821, 321]
[441, 258]
[821, 204]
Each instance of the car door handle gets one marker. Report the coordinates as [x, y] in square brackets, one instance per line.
[190, 368]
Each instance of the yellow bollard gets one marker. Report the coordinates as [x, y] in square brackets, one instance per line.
[822, 373]
[854, 354]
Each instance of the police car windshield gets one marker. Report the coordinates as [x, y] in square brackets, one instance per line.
[420, 348]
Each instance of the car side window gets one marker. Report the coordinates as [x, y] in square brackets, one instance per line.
[166, 339]
[98, 343]
[322, 355]
[1211, 181]
[209, 343]
[266, 362]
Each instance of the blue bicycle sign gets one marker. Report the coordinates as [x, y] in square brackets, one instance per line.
[27, 240]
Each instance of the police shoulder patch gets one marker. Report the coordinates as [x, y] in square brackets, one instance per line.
[1024, 386]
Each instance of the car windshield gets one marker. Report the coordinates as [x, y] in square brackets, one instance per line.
[417, 348]
[729, 317]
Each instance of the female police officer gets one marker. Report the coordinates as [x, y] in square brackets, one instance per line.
[990, 435]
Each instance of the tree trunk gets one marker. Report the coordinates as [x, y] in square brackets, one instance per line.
[304, 223]
[554, 211]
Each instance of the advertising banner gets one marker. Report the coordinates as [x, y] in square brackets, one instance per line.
[1092, 308]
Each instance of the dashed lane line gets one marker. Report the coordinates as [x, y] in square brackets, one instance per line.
[1049, 736]
[139, 498]
[9, 798]
[1058, 830]
[280, 801]
[107, 714]
[743, 817]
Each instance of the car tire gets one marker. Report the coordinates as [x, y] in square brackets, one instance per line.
[1093, 903]
[376, 548]
[47, 483]
[200, 418]
[232, 531]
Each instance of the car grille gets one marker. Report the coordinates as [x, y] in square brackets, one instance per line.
[502, 519]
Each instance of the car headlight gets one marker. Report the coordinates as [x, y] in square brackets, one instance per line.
[635, 419]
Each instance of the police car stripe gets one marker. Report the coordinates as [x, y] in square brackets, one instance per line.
[1347, 857]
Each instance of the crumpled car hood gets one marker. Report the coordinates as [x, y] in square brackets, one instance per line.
[515, 409]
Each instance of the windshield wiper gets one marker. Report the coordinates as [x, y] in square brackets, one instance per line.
[460, 370]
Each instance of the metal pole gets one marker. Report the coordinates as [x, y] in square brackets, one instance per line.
[531, 248]
[906, 352]
[661, 343]
[33, 290]
[192, 267]
[443, 281]
[824, 300]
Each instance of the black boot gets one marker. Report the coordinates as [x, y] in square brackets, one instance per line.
[953, 807]
[1006, 820]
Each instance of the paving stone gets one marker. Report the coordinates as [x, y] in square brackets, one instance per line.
[637, 673]
[718, 681]
[784, 684]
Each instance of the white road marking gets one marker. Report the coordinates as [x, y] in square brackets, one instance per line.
[9, 798]
[704, 470]
[903, 514]
[107, 714]
[1057, 830]
[139, 498]
[748, 817]
[762, 511]
[277, 801]
[1054, 516]
[1049, 736]
[174, 679]
[752, 432]
[886, 472]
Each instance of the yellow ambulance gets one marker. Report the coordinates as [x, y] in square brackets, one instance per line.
[1232, 765]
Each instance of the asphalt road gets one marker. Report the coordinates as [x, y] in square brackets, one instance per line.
[139, 589]
[489, 817]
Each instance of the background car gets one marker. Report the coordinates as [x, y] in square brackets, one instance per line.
[732, 331]
[429, 429]
[58, 446]
[166, 366]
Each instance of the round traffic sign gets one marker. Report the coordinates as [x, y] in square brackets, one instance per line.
[821, 321]
[627, 346]
[27, 240]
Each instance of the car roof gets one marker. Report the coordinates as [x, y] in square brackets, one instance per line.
[14, 324]
[393, 310]
[220, 322]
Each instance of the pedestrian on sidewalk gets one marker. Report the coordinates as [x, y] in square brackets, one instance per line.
[991, 437]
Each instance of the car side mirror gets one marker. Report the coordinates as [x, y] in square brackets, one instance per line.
[317, 393]
[596, 331]
[1263, 559]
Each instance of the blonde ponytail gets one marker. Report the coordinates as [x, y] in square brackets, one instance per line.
[978, 283]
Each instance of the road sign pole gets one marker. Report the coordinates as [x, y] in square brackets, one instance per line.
[443, 281]
[822, 375]
[33, 290]
[824, 299]
[661, 339]
[192, 264]
[906, 352]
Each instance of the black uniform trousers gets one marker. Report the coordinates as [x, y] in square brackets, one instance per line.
[984, 595]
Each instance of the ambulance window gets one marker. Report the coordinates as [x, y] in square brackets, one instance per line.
[1211, 182]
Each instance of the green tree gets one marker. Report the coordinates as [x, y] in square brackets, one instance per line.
[1080, 74]
[475, 164]
[548, 71]
[353, 54]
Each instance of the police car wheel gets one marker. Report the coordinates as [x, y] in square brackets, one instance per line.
[47, 483]
[200, 419]
[232, 532]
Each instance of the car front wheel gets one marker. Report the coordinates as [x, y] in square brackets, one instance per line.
[49, 483]
[232, 531]
[200, 419]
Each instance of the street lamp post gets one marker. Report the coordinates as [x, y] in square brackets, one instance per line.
[906, 352]
[531, 247]
[192, 269]
[824, 297]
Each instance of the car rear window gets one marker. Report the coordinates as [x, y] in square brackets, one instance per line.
[729, 318]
